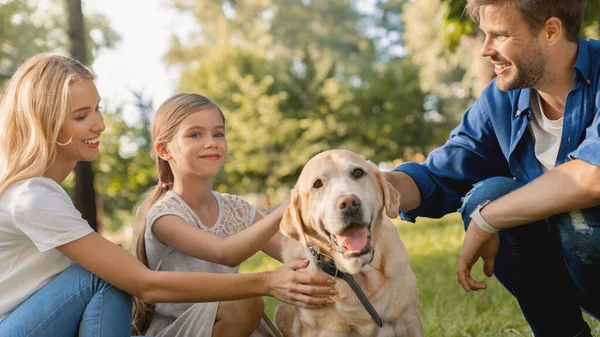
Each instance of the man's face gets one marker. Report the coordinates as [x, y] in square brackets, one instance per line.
[519, 59]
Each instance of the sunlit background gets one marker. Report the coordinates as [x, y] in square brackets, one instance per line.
[387, 79]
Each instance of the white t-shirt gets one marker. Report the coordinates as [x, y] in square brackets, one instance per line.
[36, 216]
[546, 134]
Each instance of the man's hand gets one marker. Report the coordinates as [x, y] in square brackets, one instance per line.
[477, 244]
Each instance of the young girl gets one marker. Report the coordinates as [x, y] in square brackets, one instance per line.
[189, 227]
[50, 119]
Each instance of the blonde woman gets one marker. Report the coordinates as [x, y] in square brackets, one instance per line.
[50, 119]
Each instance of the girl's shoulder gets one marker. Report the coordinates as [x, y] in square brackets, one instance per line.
[169, 204]
[236, 209]
[233, 201]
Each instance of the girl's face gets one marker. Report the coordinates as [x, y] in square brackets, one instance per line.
[81, 131]
[199, 147]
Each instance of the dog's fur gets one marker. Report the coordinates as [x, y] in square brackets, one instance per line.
[317, 214]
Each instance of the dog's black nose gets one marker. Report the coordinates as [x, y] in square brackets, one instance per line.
[348, 204]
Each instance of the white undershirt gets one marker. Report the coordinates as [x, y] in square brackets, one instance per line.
[546, 134]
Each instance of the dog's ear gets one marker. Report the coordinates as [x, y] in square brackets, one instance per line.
[291, 223]
[391, 196]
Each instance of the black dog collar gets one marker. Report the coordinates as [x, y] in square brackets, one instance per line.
[331, 269]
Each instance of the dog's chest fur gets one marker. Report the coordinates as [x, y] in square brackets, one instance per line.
[383, 281]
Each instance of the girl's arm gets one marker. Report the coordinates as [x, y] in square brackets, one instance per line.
[232, 251]
[273, 246]
[121, 269]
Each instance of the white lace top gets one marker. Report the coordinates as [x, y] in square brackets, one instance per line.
[235, 214]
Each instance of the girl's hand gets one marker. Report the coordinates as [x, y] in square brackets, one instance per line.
[477, 244]
[301, 289]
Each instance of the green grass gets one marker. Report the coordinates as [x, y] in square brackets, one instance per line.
[446, 310]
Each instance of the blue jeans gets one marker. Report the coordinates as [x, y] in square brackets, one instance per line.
[551, 267]
[75, 303]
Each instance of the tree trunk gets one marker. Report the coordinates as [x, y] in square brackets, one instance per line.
[85, 194]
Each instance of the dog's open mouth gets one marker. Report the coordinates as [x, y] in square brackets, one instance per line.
[354, 241]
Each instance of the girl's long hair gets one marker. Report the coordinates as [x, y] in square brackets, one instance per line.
[164, 128]
[35, 104]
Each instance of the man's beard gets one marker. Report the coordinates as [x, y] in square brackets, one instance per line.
[529, 68]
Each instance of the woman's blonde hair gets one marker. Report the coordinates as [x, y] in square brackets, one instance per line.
[164, 128]
[33, 109]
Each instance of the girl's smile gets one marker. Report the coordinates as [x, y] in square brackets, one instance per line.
[211, 157]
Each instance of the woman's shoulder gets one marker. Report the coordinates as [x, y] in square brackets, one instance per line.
[38, 201]
[37, 191]
[35, 184]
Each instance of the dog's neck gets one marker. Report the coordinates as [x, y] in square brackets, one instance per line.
[327, 265]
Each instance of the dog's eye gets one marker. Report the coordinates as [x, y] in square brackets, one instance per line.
[357, 173]
[318, 183]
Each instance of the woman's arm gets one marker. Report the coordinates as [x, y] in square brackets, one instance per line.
[123, 270]
[232, 251]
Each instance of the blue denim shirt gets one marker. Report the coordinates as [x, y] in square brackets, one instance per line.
[493, 140]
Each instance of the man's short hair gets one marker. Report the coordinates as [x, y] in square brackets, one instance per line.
[537, 12]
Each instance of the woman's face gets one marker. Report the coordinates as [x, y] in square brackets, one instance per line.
[80, 133]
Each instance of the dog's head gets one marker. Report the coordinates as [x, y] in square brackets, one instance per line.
[337, 205]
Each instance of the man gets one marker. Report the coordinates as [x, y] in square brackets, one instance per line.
[531, 145]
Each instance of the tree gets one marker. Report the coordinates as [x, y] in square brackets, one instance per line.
[85, 193]
[445, 74]
[28, 28]
[298, 77]
[20, 36]
[124, 170]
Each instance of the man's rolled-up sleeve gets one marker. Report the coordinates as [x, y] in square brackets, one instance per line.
[471, 155]
[589, 149]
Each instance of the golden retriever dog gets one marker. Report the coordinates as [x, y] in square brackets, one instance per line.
[336, 214]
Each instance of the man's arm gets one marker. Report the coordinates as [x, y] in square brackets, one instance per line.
[472, 154]
[570, 186]
[409, 191]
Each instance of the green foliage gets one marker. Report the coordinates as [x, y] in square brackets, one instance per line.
[125, 169]
[445, 309]
[21, 36]
[445, 74]
[297, 77]
[28, 28]
[457, 22]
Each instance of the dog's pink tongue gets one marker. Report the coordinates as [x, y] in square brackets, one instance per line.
[353, 239]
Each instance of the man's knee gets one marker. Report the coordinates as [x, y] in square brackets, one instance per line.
[579, 236]
[489, 189]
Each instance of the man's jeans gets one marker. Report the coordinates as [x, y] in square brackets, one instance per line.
[551, 267]
[74, 303]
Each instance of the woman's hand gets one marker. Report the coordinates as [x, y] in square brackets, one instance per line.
[477, 244]
[301, 289]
